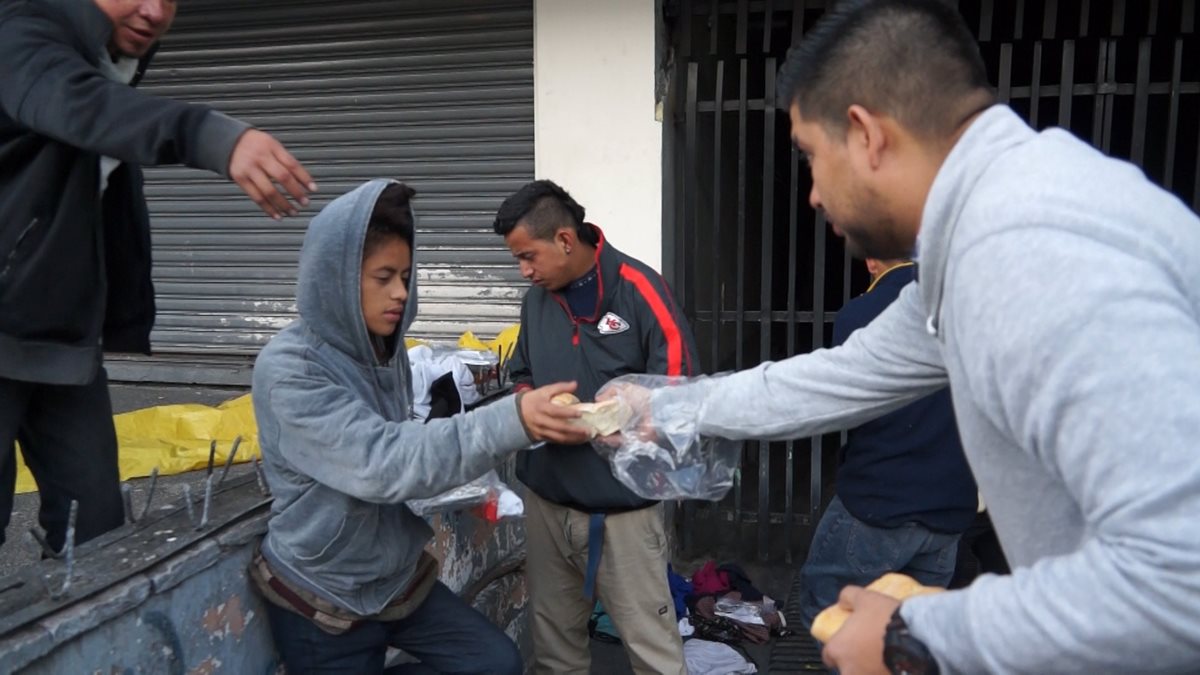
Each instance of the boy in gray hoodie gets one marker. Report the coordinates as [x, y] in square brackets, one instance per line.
[1058, 293]
[343, 565]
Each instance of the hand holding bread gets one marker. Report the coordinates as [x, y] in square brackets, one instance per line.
[598, 419]
[895, 585]
[548, 421]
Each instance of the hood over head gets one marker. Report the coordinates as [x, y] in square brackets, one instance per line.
[328, 293]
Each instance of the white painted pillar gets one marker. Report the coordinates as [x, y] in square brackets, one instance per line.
[595, 130]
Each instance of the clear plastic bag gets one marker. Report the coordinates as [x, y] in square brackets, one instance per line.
[673, 461]
[746, 612]
[486, 496]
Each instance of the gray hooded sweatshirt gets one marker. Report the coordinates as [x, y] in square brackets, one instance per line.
[1059, 295]
[340, 450]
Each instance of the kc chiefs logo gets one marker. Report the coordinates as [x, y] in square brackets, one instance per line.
[611, 324]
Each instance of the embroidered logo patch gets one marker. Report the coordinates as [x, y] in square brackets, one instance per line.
[611, 324]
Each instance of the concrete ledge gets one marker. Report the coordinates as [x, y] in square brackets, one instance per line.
[78, 619]
[24, 648]
[178, 568]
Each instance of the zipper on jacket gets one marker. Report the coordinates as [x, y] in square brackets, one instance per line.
[574, 321]
[8, 262]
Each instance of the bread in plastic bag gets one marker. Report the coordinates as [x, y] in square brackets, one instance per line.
[673, 461]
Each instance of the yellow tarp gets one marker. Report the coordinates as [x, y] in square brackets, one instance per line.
[503, 346]
[176, 438]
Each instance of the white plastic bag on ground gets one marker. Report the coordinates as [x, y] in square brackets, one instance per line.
[673, 461]
[429, 363]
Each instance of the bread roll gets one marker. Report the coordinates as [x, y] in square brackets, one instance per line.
[898, 586]
[603, 418]
[600, 419]
[564, 398]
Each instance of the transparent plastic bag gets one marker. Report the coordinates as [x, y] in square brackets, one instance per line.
[673, 461]
[487, 497]
[746, 612]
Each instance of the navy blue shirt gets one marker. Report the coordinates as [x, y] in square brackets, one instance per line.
[583, 294]
[907, 466]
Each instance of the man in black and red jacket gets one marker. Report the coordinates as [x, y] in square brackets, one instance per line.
[592, 314]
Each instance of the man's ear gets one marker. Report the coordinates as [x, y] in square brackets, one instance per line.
[866, 136]
[566, 239]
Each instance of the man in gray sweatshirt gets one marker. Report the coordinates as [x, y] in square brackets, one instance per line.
[1058, 294]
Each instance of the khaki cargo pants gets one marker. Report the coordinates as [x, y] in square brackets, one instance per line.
[631, 583]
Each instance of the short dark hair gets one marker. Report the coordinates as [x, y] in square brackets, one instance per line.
[392, 217]
[914, 60]
[544, 207]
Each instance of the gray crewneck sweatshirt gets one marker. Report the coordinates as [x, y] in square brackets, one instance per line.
[1059, 296]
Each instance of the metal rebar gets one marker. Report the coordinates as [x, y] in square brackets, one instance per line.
[229, 460]
[127, 502]
[149, 493]
[212, 456]
[262, 479]
[69, 553]
[208, 487]
[40, 538]
[187, 502]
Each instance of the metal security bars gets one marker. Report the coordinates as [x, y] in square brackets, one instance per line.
[757, 272]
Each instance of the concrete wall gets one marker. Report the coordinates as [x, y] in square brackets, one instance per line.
[595, 130]
[196, 613]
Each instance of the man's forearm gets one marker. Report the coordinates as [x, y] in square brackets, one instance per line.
[890, 362]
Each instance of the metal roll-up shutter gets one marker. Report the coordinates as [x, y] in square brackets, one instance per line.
[436, 93]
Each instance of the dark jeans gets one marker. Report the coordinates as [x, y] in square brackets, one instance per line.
[847, 551]
[70, 445]
[444, 633]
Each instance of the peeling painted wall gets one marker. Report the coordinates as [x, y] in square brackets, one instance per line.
[210, 623]
[195, 613]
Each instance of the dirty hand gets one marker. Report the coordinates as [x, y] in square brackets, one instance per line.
[857, 649]
[546, 421]
[265, 170]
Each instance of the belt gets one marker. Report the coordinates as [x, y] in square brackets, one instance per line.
[331, 618]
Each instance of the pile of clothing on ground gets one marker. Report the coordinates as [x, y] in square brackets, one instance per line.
[719, 612]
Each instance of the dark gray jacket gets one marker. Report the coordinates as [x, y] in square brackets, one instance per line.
[75, 264]
[637, 328]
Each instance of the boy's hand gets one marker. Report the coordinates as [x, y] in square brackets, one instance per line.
[546, 421]
[268, 173]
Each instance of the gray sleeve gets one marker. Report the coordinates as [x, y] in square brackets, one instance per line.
[1101, 383]
[218, 134]
[50, 88]
[880, 368]
[330, 434]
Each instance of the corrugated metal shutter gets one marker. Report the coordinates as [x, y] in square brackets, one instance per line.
[438, 94]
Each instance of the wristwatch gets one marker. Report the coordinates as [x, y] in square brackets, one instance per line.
[903, 653]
